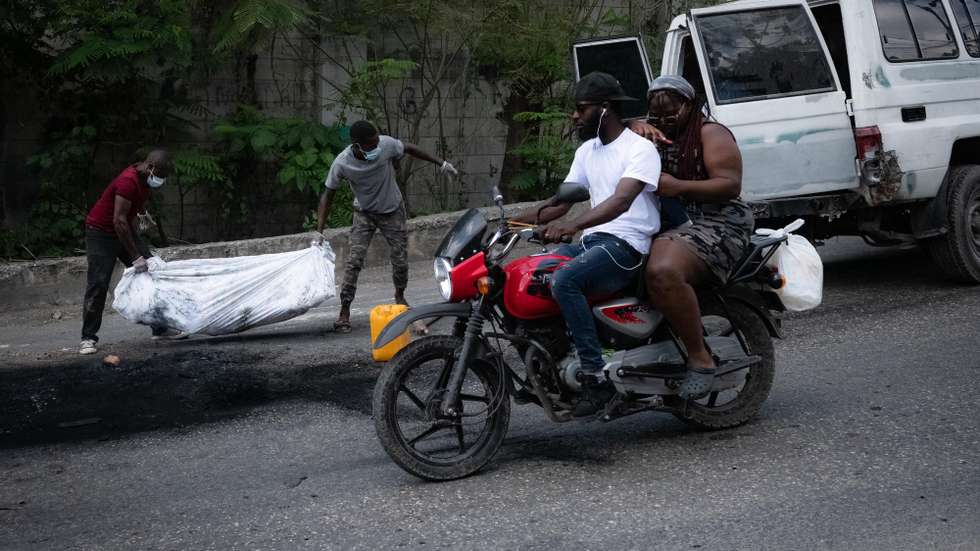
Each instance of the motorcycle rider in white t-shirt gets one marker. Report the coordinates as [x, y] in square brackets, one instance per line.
[618, 166]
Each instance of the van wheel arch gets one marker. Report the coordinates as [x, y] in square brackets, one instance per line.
[965, 151]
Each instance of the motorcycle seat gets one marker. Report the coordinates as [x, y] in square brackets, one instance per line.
[745, 266]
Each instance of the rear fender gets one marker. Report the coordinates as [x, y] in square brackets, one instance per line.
[931, 219]
[756, 303]
[401, 323]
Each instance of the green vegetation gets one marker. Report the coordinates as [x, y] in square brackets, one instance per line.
[100, 71]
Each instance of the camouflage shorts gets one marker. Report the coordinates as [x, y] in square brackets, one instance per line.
[718, 235]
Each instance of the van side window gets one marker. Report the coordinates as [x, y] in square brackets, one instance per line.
[914, 30]
[967, 14]
[759, 54]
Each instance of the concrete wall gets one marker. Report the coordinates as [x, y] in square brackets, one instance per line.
[462, 124]
[293, 79]
[285, 85]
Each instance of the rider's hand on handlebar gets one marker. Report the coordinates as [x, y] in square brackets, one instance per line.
[558, 232]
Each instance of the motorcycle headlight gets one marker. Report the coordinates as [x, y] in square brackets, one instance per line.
[441, 267]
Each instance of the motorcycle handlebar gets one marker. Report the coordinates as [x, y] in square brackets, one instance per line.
[537, 236]
[534, 234]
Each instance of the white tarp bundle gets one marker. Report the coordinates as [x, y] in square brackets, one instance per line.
[218, 296]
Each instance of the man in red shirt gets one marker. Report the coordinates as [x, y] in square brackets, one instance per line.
[110, 234]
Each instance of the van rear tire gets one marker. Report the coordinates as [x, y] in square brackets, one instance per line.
[957, 252]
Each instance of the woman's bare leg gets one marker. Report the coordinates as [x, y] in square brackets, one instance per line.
[672, 270]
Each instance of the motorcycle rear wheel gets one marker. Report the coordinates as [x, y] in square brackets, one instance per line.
[406, 402]
[710, 414]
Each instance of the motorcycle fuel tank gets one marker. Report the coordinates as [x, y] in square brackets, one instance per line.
[527, 292]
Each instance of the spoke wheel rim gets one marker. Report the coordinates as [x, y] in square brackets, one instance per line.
[435, 440]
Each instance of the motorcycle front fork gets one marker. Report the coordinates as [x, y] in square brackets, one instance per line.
[472, 337]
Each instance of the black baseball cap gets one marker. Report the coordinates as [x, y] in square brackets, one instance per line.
[599, 86]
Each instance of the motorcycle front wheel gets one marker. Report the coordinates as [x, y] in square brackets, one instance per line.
[407, 400]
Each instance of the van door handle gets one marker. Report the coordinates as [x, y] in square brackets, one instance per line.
[914, 114]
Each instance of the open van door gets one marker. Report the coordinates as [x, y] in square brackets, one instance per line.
[624, 58]
[768, 77]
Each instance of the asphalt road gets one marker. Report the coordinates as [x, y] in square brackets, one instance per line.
[264, 440]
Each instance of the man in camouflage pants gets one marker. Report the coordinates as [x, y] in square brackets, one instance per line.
[368, 165]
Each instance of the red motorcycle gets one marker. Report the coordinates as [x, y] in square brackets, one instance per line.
[442, 407]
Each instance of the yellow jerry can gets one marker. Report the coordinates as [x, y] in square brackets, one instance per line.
[380, 316]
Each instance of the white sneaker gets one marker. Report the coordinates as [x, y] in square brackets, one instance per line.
[171, 335]
[87, 347]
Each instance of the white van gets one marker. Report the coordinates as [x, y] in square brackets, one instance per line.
[862, 116]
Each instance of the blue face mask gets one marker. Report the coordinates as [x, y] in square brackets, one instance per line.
[370, 155]
[154, 181]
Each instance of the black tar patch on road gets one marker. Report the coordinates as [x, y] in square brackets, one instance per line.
[82, 398]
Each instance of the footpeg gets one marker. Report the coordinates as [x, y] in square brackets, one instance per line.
[586, 378]
[724, 368]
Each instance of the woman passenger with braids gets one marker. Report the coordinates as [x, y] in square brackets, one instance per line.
[702, 167]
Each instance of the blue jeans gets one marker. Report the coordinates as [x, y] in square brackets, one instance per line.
[602, 264]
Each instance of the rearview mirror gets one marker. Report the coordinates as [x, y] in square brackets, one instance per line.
[498, 197]
[571, 192]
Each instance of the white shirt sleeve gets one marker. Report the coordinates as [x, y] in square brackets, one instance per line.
[335, 174]
[576, 173]
[644, 165]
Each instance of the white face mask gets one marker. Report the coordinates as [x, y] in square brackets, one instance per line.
[155, 181]
[369, 155]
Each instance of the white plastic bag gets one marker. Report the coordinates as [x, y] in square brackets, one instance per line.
[218, 296]
[801, 267]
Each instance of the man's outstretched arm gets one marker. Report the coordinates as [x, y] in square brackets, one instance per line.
[444, 166]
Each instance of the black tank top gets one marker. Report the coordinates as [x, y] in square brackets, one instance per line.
[670, 162]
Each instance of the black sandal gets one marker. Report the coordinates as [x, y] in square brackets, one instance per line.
[697, 383]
